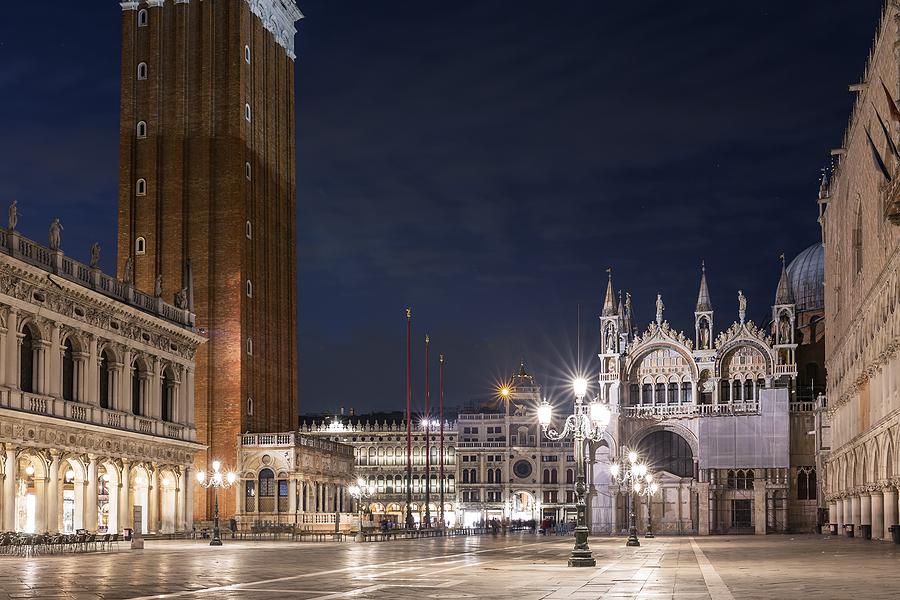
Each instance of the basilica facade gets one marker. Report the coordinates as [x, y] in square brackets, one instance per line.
[721, 416]
[96, 396]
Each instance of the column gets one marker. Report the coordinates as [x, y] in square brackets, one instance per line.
[759, 506]
[9, 489]
[890, 509]
[877, 521]
[292, 496]
[124, 506]
[40, 505]
[865, 509]
[12, 351]
[848, 511]
[156, 389]
[188, 498]
[92, 376]
[153, 501]
[855, 511]
[90, 501]
[125, 403]
[52, 524]
[703, 508]
[179, 503]
[55, 363]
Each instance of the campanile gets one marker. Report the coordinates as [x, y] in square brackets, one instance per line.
[207, 179]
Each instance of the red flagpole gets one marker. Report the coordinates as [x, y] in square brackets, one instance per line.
[441, 414]
[427, 443]
[409, 518]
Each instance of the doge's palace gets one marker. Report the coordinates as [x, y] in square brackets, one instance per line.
[96, 396]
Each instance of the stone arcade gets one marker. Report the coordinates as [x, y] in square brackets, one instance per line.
[96, 398]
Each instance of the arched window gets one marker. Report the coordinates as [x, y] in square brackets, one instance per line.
[143, 18]
[667, 451]
[474, 476]
[266, 490]
[249, 289]
[248, 230]
[247, 54]
[167, 397]
[498, 478]
[660, 393]
[142, 71]
[673, 393]
[250, 346]
[106, 360]
[140, 187]
[141, 130]
[68, 371]
[490, 476]
[647, 393]
[545, 476]
[858, 241]
[136, 389]
[249, 406]
[26, 361]
[247, 112]
[570, 476]
[554, 478]
[140, 246]
[687, 395]
[634, 394]
[248, 171]
[806, 483]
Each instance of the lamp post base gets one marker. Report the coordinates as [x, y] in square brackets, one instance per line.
[582, 558]
[649, 535]
[215, 542]
[633, 539]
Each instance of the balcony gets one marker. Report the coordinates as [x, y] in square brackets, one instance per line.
[686, 411]
[77, 412]
[291, 439]
[481, 444]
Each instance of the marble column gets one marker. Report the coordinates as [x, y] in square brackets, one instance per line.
[703, 508]
[865, 508]
[179, 503]
[90, 502]
[188, 498]
[890, 509]
[855, 511]
[877, 520]
[846, 517]
[124, 506]
[9, 489]
[40, 505]
[52, 524]
[759, 507]
[832, 512]
[153, 501]
[292, 496]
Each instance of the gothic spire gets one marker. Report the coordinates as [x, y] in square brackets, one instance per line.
[620, 310]
[609, 305]
[704, 304]
[784, 294]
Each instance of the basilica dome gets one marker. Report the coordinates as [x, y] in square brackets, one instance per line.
[806, 275]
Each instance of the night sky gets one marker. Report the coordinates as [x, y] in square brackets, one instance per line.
[485, 162]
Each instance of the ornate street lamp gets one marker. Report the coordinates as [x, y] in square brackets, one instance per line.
[359, 491]
[631, 475]
[648, 489]
[588, 422]
[216, 480]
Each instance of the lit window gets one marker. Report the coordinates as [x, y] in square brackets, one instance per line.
[247, 112]
[250, 346]
[142, 71]
[247, 54]
[141, 130]
[248, 230]
[143, 19]
[248, 173]
[140, 188]
[249, 289]
[140, 246]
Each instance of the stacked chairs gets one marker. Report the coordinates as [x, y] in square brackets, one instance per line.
[25, 544]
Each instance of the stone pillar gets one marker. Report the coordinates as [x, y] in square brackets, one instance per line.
[890, 509]
[703, 508]
[292, 496]
[124, 506]
[188, 498]
[12, 350]
[865, 509]
[877, 520]
[847, 512]
[855, 511]
[90, 500]
[125, 384]
[832, 512]
[40, 505]
[52, 524]
[759, 506]
[153, 501]
[179, 503]
[9, 489]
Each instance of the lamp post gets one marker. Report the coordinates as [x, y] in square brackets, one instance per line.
[587, 422]
[631, 474]
[216, 480]
[648, 489]
[359, 491]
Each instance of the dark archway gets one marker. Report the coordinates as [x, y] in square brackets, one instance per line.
[68, 371]
[26, 361]
[667, 451]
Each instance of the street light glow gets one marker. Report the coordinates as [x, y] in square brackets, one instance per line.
[545, 413]
[580, 386]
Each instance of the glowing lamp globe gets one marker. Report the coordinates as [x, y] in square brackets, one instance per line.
[599, 413]
[354, 490]
[637, 488]
[216, 465]
[201, 476]
[545, 413]
[231, 477]
[653, 488]
[614, 470]
[580, 387]
[632, 457]
[504, 392]
[640, 470]
[649, 478]
[360, 482]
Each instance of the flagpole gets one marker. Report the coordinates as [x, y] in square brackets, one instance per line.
[441, 415]
[409, 517]
[427, 443]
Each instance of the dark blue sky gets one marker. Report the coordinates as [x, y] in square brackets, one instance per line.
[484, 162]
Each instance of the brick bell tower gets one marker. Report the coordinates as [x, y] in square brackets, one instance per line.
[207, 198]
